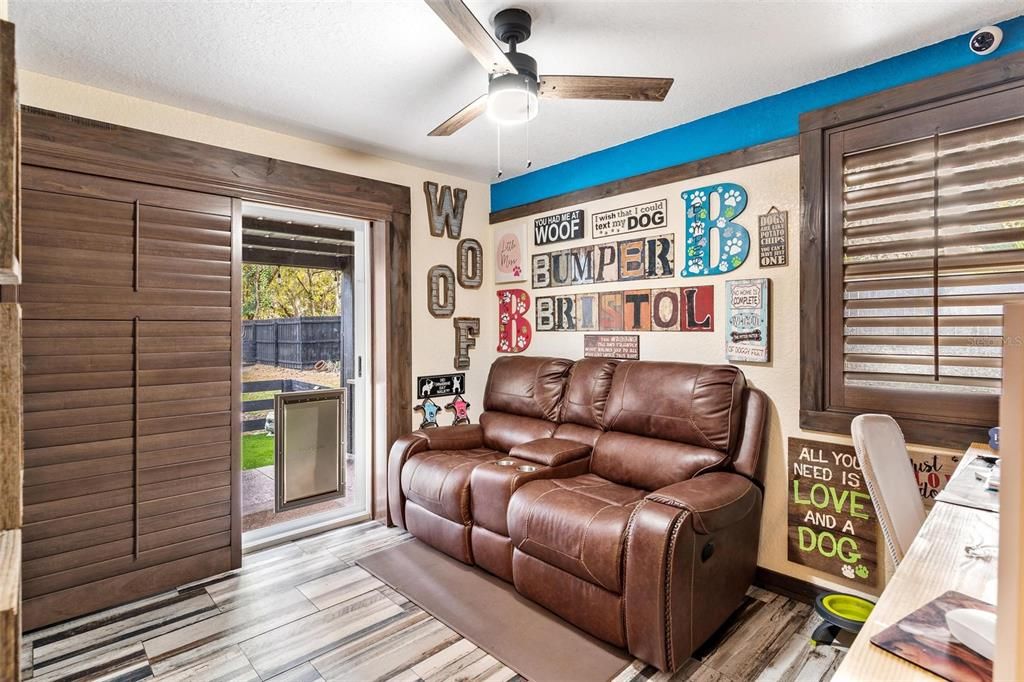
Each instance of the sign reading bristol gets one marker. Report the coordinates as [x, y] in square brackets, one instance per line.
[560, 227]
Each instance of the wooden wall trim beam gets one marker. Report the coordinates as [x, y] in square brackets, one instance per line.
[129, 154]
[10, 416]
[10, 604]
[10, 224]
[306, 232]
[259, 256]
[768, 151]
[975, 77]
[297, 245]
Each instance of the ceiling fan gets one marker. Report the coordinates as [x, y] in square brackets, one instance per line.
[515, 85]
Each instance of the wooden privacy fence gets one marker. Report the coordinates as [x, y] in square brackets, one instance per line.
[294, 342]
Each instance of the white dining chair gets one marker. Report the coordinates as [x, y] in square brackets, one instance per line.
[889, 474]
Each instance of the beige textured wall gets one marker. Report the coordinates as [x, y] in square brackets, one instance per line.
[433, 339]
[774, 183]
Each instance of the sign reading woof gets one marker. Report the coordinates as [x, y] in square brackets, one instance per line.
[628, 259]
[560, 227]
[687, 309]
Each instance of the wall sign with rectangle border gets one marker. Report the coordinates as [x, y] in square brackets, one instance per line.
[618, 346]
[437, 385]
[747, 320]
[628, 259]
[559, 227]
[832, 522]
[510, 254]
[773, 238]
[675, 309]
[650, 216]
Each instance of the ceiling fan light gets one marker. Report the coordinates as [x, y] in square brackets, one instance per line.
[511, 99]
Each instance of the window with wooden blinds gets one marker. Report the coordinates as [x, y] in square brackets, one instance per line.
[923, 244]
[932, 246]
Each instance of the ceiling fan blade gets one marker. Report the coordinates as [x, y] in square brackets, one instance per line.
[637, 89]
[461, 118]
[468, 29]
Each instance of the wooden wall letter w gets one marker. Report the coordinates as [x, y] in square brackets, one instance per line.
[445, 212]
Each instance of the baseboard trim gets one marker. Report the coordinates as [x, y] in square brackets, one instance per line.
[786, 585]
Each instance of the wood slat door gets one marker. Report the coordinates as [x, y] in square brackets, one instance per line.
[128, 392]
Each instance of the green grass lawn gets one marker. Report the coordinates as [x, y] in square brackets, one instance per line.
[257, 450]
[259, 395]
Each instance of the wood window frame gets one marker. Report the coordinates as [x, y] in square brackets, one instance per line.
[70, 143]
[817, 409]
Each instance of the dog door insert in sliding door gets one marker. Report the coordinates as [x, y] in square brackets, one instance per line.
[310, 447]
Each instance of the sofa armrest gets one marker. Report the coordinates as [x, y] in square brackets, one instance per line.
[715, 500]
[460, 437]
[551, 452]
[691, 555]
[405, 447]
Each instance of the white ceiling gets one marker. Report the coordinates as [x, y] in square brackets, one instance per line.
[377, 75]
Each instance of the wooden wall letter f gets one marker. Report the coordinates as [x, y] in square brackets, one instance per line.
[466, 331]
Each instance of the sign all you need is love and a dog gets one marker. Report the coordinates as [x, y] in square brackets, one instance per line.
[833, 526]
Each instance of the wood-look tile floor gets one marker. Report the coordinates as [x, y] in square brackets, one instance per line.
[304, 611]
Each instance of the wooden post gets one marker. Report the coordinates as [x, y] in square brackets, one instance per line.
[1009, 663]
[10, 364]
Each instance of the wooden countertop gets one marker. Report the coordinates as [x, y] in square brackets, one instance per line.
[935, 564]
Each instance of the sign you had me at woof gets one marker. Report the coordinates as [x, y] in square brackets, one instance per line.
[832, 522]
[560, 227]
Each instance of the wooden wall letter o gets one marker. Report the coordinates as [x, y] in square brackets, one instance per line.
[471, 264]
[441, 291]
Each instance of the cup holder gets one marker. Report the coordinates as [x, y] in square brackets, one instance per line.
[526, 468]
[506, 462]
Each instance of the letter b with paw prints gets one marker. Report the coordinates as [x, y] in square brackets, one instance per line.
[714, 243]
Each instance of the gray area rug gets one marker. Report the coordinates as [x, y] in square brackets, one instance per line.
[490, 613]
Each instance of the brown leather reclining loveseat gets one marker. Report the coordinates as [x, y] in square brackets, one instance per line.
[621, 496]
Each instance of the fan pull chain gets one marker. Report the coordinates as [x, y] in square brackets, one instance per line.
[529, 161]
[500, 172]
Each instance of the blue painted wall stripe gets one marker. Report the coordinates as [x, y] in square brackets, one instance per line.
[763, 120]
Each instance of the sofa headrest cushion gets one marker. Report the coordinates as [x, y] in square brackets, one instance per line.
[586, 395]
[526, 386]
[676, 401]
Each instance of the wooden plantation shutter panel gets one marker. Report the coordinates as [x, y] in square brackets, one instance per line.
[128, 324]
[931, 209]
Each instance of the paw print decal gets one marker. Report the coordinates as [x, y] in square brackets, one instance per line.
[732, 197]
[862, 572]
[848, 571]
[517, 271]
[734, 246]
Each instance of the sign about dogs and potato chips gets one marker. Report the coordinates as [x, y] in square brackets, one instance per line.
[649, 216]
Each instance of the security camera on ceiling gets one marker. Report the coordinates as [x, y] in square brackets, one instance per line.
[986, 40]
